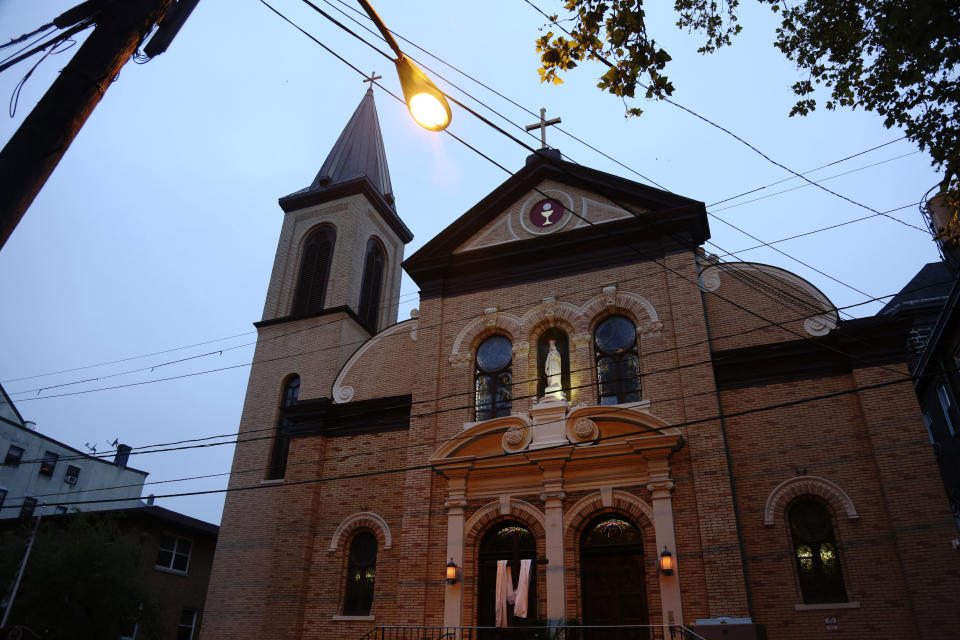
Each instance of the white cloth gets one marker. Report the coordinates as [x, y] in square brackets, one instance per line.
[505, 594]
[523, 590]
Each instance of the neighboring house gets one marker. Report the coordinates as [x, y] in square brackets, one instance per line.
[181, 548]
[584, 403]
[35, 468]
[177, 555]
[932, 300]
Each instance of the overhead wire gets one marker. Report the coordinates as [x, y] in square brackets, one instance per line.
[736, 137]
[334, 54]
[431, 466]
[567, 133]
[172, 446]
[358, 37]
[356, 69]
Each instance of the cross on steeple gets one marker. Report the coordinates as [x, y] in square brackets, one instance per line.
[373, 77]
[542, 125]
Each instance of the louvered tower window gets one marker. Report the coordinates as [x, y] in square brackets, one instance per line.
[369, 310]
[314, 271]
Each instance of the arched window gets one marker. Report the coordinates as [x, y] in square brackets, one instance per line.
[361, 571]
[369, 309]
[314, 271]
[815, 551]
[618, 365]
[513, 542]
[281, 440]
[560, 340]
[493, 378]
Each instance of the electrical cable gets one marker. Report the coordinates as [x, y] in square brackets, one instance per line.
[428, 466]
[823, 166]
[339, 24]
[38, 31]
[869, 166]
[486, 121]
[570, 135]
[813, 231]
[171, 446]
[733, 135]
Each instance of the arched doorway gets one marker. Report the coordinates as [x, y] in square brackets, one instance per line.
[612, 576]
[511, 541]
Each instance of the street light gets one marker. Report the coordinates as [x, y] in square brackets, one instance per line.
[426, 102]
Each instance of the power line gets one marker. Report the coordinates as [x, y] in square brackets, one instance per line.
[869, 166]
[172, 446]
[733, 135]
[813, 231]
[355, 68]
[500, 130]
[823, 166]
[428, 466]
[413, 293]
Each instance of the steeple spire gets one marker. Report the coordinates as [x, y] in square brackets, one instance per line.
[358, 153]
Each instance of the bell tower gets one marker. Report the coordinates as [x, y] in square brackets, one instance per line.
[342, 241]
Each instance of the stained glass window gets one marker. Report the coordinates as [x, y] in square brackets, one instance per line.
[618, 364]
[815, 550]
[361, 571]
[493, 378]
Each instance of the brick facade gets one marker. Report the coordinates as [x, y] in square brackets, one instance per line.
[698, 466]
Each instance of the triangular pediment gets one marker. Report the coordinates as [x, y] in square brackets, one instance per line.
[514, 221]
[550, 207]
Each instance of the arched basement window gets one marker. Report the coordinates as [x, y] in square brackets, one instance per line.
[281, 439]
[370, 289]
[314, 271]
[816, 554]
[493, 378]
[618, 365]
[361, 571]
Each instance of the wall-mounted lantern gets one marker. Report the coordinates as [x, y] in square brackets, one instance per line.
[451, 572]
[666, 562]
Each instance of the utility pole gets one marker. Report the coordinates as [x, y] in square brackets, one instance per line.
[33, 152]
[23, 567]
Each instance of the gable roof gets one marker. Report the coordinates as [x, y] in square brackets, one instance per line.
[929, 288]
[670, 222]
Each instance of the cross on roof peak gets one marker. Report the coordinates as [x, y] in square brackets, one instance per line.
[371, 79]
[542, 125]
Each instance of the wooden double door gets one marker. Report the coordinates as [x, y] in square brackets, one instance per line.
[613, 580]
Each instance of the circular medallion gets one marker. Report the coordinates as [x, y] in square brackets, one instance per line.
[513, 437]
[546, 213]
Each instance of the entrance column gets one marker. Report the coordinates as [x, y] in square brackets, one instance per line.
[660, 487]
[553, 497]
[455, 504]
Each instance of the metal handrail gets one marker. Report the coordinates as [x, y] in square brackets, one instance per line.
[556, 632]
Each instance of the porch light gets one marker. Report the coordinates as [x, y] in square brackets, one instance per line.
[451, 572]
[666, 562]
[426, 102]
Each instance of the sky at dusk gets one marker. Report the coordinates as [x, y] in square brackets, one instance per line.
[153, 240]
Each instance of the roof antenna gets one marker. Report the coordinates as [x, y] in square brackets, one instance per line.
[91, 447]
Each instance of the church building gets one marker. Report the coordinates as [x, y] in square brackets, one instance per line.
[588, 421]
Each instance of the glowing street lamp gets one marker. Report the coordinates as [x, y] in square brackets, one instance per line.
[426, 102]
